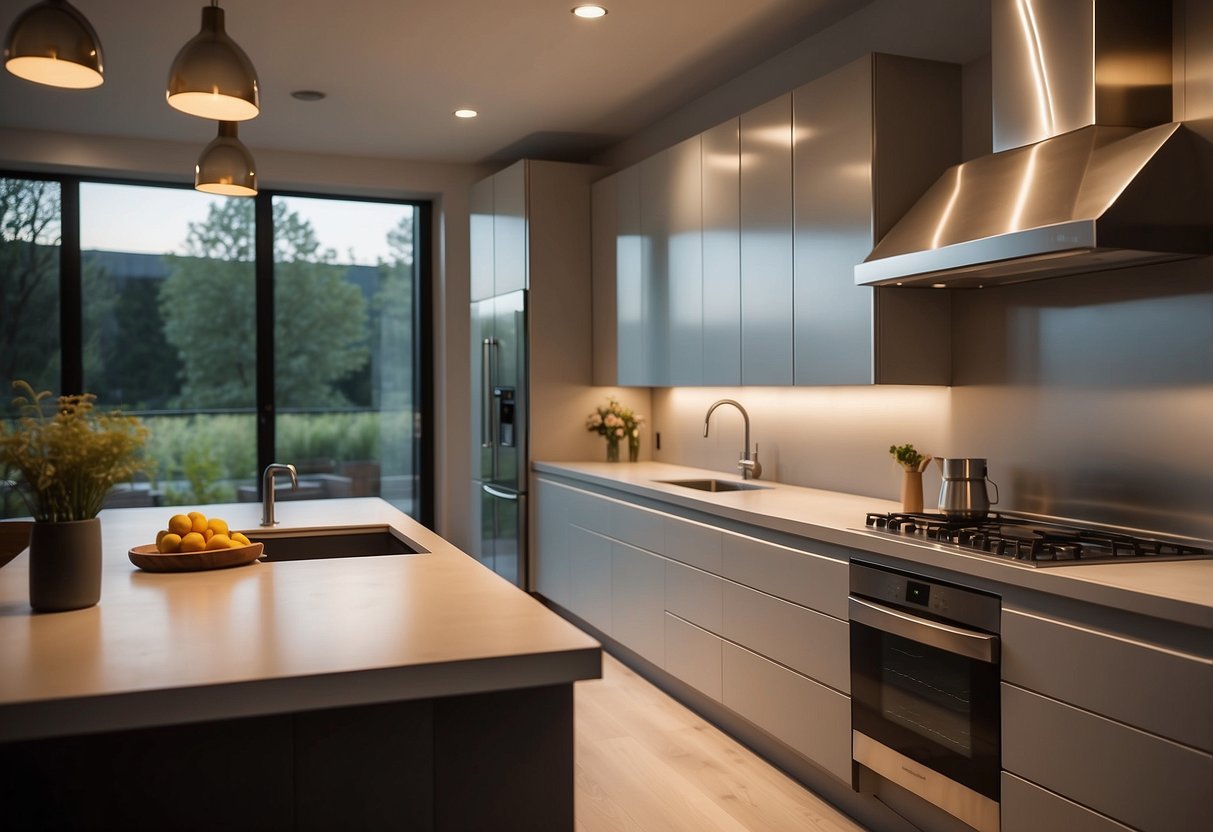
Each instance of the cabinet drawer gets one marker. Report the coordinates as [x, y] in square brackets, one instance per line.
[812, 719]
[551, 541]
[640, 527]
[1028, 808]
[806, 641]
[590, 577]
[590, 512]
[694, 595]
[1164, 691]
[638, 601]
[693, 655]
[810, 580]
[1145, 781]
[693, 543]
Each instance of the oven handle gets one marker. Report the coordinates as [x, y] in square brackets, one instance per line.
[974, 645]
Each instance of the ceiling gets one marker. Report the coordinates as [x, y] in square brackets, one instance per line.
[546, 83]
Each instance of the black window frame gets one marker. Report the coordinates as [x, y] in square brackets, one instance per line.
[71, 309]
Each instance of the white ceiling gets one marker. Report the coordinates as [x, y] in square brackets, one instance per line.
[545, 82]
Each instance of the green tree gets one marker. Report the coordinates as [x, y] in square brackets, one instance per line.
[29, 284]
[208, 305]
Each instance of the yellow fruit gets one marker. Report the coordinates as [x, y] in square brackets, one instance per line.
[233, 543]
[218, 525]
[193, 542]
[219, 541]
[197, 521]
[240, 538]
[180, 524]
[208, 533]
[160, 535]
[169, 543]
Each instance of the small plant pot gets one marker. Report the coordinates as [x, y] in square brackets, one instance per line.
[911, 491]
[65, 565]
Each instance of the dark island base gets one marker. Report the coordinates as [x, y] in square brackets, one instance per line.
[500, 761]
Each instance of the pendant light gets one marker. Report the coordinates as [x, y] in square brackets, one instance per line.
[211, 77]
[226, 167]
[52, 43]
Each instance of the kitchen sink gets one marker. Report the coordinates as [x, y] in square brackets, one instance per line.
[715, 485]
[347, 542]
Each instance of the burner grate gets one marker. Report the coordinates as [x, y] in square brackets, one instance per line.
[1032, 541]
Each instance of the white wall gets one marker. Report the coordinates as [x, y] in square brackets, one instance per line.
[447, 185]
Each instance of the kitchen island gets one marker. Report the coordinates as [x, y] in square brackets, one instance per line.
[415, 689]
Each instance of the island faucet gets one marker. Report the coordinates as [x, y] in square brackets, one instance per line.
[267, 489]
[750, 467]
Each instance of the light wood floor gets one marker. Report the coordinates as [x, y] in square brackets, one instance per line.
[645, 763]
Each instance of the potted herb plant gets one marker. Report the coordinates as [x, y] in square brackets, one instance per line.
[66, 462]
[912, 463]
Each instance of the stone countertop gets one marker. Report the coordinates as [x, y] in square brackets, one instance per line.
[1179, 591]
[163, 648]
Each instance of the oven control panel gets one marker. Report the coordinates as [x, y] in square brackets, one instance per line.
[912, 592]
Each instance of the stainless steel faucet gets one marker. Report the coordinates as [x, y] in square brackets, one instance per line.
[750, 467]
[267, 489]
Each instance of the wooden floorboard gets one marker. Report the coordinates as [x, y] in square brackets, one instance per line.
[645, 763]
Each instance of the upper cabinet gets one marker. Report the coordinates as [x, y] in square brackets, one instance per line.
[731, 255]
[869, 139]
[499, 233]
[766, 243]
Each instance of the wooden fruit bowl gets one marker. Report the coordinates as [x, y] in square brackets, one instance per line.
[149, 558]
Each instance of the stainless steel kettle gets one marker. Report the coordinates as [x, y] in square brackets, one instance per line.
[962, 494]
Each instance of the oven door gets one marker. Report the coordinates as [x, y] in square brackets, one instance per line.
[925, 708]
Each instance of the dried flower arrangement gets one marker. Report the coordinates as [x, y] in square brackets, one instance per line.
[69, 460]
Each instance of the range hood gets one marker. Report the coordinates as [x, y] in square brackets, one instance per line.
[1089, 174]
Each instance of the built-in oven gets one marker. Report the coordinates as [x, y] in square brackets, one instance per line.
[925, 689]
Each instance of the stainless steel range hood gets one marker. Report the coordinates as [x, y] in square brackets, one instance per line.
[1088, 174]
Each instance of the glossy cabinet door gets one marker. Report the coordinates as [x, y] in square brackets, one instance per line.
[638, 601]
[721, 175]
[604, 237]
[684, 309]
[766, 243]
[655, 266]
[510, 229]
[480, 232]
[833, 194]
[550, 568]
[631, 334]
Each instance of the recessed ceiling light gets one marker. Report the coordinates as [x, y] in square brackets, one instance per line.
[589, 11]
[308, 95]
[466, 113]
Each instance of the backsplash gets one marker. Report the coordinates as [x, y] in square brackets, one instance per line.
[1091, 397]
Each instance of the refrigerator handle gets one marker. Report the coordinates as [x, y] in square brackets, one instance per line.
[505, 495]
[486, 392]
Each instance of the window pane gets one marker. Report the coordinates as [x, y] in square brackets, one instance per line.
[29, 299]
[170, 334]
[344, 347]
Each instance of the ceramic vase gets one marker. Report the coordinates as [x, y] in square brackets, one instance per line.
[65, 565]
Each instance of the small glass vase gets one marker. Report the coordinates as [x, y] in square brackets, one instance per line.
[612, 449]
[633, 447]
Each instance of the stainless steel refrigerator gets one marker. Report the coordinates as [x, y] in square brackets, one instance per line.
[500, 461]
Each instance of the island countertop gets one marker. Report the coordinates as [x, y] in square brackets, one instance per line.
[265, 638]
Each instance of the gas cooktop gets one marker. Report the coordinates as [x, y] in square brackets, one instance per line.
[1035, 541]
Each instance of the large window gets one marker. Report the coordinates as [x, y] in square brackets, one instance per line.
[242, 331]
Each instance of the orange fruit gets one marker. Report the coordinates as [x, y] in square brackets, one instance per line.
[218, 525]
[219, 541]
[197, 521]
[240, 538]
[169, 543]
[180, 524]
[193, 542]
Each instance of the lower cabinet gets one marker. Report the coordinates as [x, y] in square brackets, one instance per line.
[675, 592]
[1028, 808]
[807, 716]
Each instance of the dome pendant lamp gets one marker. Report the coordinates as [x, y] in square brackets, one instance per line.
[211, 77]
[53, 43]
[226, 167]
